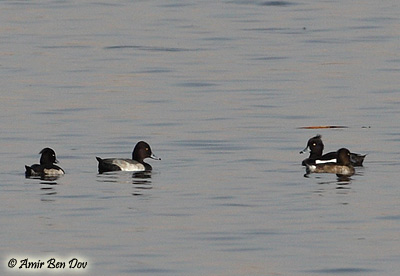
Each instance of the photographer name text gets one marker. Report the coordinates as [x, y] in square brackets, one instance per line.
[49, 264]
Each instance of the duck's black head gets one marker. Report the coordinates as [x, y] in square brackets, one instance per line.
[142, 151]
[48, 156]
[343, 157]
[315, 146]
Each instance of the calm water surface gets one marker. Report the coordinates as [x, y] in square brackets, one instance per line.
[220, 91]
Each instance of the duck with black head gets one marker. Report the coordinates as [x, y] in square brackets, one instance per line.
[316, 147]
[47, 167]
[141, 151]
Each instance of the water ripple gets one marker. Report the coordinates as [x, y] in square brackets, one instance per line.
[342, 270]
[149, 48]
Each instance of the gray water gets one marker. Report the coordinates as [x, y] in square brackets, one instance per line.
[220, 90]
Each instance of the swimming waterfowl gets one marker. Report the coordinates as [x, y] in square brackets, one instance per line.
[141, 151]
[46, 166]
[316, 147]
[342, 167]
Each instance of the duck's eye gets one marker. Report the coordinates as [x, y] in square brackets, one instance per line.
[314, 144]
[147, 149]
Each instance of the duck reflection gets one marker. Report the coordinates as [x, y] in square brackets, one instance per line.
[341, 186]
[49, 189]
[45, 179]
[341, 181]
[140, 180]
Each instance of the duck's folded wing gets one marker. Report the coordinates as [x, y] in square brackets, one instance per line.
[330, 157]
[128, 165]
[106, 165]
[115, 164]
[33, 170]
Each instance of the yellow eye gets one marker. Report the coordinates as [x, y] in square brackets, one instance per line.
[147, 149]
[314, 144]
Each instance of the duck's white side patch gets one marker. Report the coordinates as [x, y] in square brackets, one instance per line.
[325, 161]
[129, 165]
[52, 172]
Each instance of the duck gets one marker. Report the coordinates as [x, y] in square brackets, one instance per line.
[141, 151]
[316, 147]
[342, 167]
[46, 168]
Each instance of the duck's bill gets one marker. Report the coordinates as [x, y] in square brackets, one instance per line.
[306, 149]
[152, 156]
